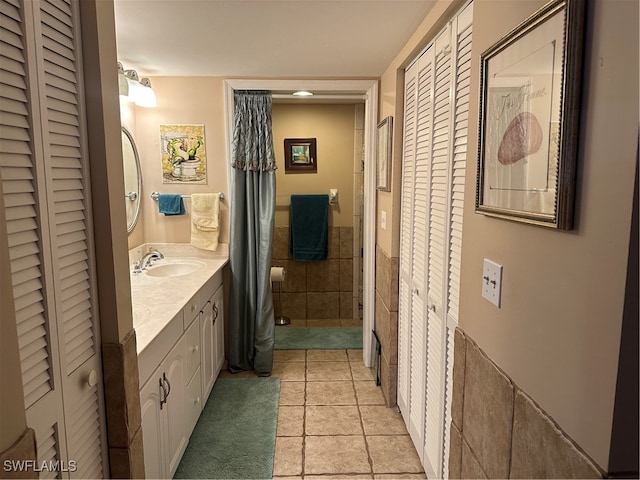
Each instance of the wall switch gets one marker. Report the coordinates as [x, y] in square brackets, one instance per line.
[492, 282]
[383, 220]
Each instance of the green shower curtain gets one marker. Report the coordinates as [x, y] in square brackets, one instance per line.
[253, 188]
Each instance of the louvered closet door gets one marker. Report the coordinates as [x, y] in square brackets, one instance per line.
[406, 243]
[438, 231]
[27, 225]
[460, 122]
[48, 198]
[433, 193]
[420, 233]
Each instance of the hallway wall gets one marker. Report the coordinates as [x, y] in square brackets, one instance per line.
[557, 334]
[188, 101]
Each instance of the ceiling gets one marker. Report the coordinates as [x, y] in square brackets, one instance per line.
[264, 38]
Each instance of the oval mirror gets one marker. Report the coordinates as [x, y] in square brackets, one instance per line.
[132, 179]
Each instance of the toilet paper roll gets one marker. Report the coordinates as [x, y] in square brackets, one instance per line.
[277, 274]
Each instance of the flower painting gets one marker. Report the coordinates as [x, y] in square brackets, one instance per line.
[183, 151]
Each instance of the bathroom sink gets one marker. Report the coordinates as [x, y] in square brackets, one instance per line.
[174, 268]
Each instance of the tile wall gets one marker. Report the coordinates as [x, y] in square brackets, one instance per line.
[387, 322]
[498, 431]
[317, 290]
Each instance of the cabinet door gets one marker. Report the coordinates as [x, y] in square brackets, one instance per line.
[218, 330]
[173, 371]
[152, 426]
[208, 346]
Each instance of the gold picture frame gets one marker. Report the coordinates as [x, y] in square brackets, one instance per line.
[383, 154]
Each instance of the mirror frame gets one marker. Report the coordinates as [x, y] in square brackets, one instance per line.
[136, 214]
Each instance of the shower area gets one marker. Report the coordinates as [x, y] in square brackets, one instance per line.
[326, 293]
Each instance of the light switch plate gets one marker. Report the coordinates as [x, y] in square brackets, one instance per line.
[492, 282]
[383, 220]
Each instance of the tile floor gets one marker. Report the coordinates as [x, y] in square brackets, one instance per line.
[333, 423]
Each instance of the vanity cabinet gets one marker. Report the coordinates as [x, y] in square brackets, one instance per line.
[212, 334]
[173, 395]
[162, 401]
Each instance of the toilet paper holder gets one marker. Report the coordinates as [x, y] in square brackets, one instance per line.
[277, 275]
[333, 196]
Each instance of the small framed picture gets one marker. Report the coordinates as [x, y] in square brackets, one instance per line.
[383, 155]
[300, 155]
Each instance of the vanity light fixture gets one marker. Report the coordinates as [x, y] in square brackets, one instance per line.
[302, 93]
[134, 89]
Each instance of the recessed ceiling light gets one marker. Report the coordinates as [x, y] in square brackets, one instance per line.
[302, 93]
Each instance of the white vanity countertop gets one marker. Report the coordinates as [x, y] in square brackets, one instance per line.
[157, 300]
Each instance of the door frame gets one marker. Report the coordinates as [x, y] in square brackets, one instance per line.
[369, 90]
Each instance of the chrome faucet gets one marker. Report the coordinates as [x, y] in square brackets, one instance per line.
[147, 258]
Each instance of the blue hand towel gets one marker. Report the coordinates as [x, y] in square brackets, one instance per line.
[308, 227]
[170, 204]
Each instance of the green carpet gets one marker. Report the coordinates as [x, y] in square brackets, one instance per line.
[236, 433]
[318, 338]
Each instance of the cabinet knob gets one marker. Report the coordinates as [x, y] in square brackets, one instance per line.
[92, 378]
[196, 400]
[195, 348]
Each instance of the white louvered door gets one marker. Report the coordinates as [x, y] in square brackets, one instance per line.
[406, 243]
[420, 232]
[45, 180]
[431, 233]
[459, 129]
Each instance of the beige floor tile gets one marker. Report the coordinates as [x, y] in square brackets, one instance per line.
[339, 477]
[288, 456]
[393, 454]
[347, 454]
[367, 393]
[290, 421]
[292, 393]
[332, 420]
[382, 420]
[298, 477]
[360, 372]
[328, 371]
[289, 371]
[330, 393]
[288, 356]
[399, 476]
[327, 356]
[355, 355]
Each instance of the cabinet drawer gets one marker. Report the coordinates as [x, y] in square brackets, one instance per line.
[192, 353]
[191, 310]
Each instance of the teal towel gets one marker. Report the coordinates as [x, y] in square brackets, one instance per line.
[170, 204]
[308, 227]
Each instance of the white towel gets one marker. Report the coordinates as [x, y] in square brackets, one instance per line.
[205, 223]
